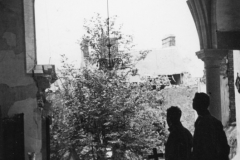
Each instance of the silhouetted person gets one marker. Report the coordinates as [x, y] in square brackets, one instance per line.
[209, 140]
[179, 143]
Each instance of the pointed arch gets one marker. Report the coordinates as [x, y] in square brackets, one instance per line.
[203, 12]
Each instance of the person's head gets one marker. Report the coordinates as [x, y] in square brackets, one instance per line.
[173, 115]
[201, 102]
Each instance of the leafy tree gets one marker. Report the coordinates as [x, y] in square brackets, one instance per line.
[102, 32]
[100, 110]
[96, 110]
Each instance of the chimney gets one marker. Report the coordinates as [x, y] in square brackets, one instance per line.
[168, 41]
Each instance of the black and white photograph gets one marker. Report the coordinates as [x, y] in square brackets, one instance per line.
[119, 79]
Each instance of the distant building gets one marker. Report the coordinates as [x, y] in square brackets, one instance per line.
[158, 65]
[168, 41]
[164, 62]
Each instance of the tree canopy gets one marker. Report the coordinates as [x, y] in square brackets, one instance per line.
[99, 110]
[102, 32]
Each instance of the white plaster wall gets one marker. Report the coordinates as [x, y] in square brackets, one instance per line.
[224, 100]
[32, 125]
[228, 15]
[236, 57]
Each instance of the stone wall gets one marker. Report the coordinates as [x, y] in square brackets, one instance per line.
[230, 72]
[231, 133]
[228, 15]
[18, 89]
[228, 98]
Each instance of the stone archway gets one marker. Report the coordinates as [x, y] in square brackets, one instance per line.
[218, 26]
[219, 34]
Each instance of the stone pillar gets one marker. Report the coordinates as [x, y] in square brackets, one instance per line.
[212, 59]
[44, 76]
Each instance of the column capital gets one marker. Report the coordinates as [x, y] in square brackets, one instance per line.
[214, 54]
[44, 76]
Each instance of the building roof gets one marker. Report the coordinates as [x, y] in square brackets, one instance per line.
[166, 61]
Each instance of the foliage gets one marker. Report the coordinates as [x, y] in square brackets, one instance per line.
[96, 110]
[97, 39]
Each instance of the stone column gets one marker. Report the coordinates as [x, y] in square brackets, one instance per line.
[44, 76]
[212, 60]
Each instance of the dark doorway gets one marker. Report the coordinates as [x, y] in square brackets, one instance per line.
[13, 137]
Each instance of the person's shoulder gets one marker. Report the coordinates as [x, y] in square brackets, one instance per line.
[206, 121]
[186, 131]
[214, 120]
[188, 137]
[210, 118]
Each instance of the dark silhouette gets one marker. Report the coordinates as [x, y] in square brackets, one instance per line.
[155, 155]
[179, 143]
[209, 140]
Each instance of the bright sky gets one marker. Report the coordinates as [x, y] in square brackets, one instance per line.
[59, 25]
